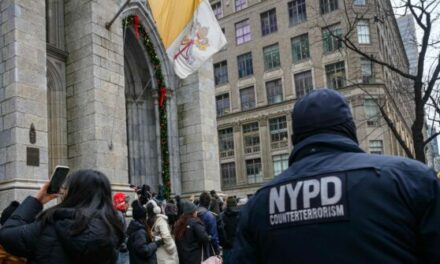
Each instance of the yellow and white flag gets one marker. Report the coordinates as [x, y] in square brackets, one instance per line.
[190, 32]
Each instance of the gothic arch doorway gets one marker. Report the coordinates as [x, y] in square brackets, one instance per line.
[144, 161]
[142, 110]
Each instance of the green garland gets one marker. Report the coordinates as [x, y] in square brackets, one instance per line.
[154, 59]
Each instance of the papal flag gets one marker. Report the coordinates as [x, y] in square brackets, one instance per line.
[189, 31]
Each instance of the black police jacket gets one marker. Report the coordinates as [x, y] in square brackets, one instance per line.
[53, 243]
[337, 204]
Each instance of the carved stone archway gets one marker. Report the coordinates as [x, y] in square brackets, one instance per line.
[145, 136]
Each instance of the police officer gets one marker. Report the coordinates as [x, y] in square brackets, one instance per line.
[338, 204]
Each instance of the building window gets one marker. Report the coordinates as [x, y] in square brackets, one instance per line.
[221, 73]
[328, 6]
[240, 4]
[245, 67]
[251, 138]
[376, 147]
[363, 32]
[228, 174]
[278, 132]
[269, 22]
[335, 75]
[300, 48]
[303, 83]
[297, 12]
[360, 2]
[222, 103]
[274, 91]
[247, 98]
[366, 70]
[330, 38]
[280, 163]
[226, 142]
[371, 112]
[253, 171]
[271, 57]
[217, 8]
[242, 32]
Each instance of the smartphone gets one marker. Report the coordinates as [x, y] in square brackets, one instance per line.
[58, 177]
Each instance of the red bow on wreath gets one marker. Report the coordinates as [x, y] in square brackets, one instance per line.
[136, 26]
[162, 95]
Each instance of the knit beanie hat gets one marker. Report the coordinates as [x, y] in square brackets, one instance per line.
[188, 207]
[139, 212]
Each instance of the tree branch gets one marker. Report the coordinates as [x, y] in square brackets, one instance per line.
[431, 138]
[432, 82]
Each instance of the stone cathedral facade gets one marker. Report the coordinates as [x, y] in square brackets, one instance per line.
[75, 93]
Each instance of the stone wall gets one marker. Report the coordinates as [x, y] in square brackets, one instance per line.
[95, 89]
[198, 132]
[23, 97]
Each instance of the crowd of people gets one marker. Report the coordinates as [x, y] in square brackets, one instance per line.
[91, 226]
[334, 204]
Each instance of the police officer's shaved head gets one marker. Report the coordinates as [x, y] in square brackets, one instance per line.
[322, 111]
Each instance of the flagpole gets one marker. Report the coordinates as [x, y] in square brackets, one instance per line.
[109, 24]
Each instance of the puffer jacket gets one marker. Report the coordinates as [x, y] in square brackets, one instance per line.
[6, 258]
[140, 246]
[192, 242]
[167, 254]
[52, 243]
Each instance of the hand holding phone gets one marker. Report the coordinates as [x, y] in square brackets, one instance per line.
[58, 177]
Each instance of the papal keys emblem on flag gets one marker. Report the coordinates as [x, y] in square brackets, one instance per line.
[197, 39]
[189, 31]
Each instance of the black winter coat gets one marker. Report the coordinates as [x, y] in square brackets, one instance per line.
[230, 221]
[52, 243]
[337, 204]
[190, 246]
[141, 248]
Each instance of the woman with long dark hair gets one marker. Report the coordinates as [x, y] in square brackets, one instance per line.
[190, 235]
[83, 228]
[141, 244]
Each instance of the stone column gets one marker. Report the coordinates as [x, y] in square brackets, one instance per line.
[240, 161]
[23, 97]
[198, 132]
[266, 154]
[95, 89]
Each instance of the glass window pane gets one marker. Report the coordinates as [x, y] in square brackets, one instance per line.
[297, 12]
[280, 163]
[242, 32]
[247, 97]
[268, 22]
[221, 73]
[363, 31]
[271, 57]
[303, 83]
[228, 174]
[335, 74]
[274, 91]
[245, 67]
[300, 48]
[376, 147]
[222, 103]
[372, 112]
[330, 38]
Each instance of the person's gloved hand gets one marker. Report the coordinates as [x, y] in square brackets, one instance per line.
[159, 242]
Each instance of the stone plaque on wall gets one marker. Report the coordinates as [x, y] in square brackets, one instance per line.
[33, 156]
